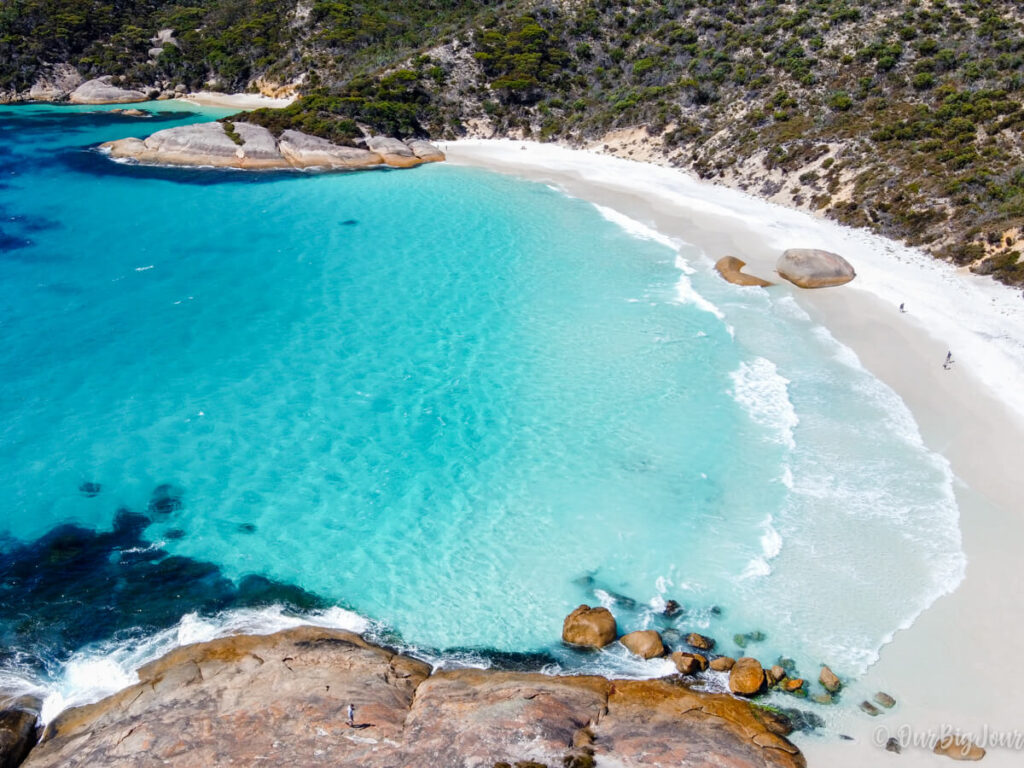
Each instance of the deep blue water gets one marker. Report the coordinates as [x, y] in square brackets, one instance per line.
[452, 402]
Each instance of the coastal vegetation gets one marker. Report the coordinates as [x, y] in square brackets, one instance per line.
[902, 117]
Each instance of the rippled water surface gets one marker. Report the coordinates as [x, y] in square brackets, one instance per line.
[454, 403]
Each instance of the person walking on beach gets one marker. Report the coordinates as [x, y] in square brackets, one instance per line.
[949, 360]
[901, 308]
[351, 715]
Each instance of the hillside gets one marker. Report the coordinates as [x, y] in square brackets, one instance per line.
[901, 116]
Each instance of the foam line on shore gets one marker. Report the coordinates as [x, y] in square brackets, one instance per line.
[979, 319]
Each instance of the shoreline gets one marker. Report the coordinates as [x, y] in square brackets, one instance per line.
[244, 101]
[298, 693]
[862, 316]
[956, 411]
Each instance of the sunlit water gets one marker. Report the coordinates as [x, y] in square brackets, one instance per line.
[444, 405]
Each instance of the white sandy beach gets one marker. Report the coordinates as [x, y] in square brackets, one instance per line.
[238, 100]
[949, 669]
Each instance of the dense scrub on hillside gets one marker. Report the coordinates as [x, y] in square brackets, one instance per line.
[223, 44]
[899, 115]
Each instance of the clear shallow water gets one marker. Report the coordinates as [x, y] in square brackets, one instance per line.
[450, 402]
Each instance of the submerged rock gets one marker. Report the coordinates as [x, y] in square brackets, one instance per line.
[165, 499]
[885, 700]
[100, 91]
[239, 699]
[589, 627]
[746, 678]
[731, 269]
[672, 608]
[89, 490]
[645, 643]
[812, 268]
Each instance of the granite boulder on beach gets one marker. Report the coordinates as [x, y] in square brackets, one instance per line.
[813, 268]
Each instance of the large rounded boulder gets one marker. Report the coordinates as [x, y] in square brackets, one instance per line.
[589, 627]
[746, 678]
[102, 91]
[812, 268]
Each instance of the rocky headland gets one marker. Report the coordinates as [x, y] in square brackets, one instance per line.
[283, 698]
[246, 146]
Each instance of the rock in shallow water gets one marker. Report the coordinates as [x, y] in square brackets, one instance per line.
[689, 663]
[829, 680]
[746, 678]
[589, 627]
[645, 643]
[702, 642]
[731, 269]
[812, 268]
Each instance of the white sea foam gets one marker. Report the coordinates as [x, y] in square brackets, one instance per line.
[787, 307]
[687, 294]
[977, 318]
[764, 395]
[636, 228]
[771, 546]
[105, 668]
[684, 291]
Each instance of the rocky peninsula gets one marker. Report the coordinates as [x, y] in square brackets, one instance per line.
[246, 146]
[284, 697]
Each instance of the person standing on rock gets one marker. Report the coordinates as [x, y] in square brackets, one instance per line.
[351, 715]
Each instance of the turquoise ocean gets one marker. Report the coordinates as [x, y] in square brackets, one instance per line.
[443, 406]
